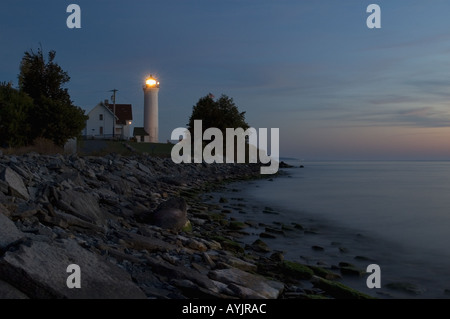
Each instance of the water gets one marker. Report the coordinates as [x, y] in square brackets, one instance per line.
[395, 214]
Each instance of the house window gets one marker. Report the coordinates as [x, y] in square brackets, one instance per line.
[142, 138]
[100, 117]
[101, 130]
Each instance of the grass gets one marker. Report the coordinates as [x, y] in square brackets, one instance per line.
[46, 147]
[40, 145]
[120, 147]
[161, 149]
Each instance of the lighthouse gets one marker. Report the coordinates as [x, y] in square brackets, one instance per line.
[151, 89]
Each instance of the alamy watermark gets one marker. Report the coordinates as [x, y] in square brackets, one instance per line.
[74, 279]
[213, 152]
[374, 279]
[74, 19]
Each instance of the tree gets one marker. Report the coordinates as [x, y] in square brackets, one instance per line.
[53, 115]
[66, 121]
[222, 114]
[14, 113]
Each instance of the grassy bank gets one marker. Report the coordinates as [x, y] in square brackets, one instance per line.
[126, 148]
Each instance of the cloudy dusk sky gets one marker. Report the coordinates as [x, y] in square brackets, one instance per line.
[334, 87]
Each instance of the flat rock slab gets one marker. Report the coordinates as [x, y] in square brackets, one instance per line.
[249, 285]
[9, 234]
[40, 271]
[83, 205]
[15, 183]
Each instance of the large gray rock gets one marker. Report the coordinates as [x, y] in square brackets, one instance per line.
[247, 285]
[15, 183]
[171, 214]
[40, 271]
[9, 234]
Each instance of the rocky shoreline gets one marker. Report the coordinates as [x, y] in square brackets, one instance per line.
[137, 228]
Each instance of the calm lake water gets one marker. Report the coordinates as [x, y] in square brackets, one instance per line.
[395, 214]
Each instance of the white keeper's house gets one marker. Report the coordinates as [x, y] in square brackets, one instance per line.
[109, 121]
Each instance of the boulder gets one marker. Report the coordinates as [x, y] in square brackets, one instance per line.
[15, 183]
[40, 271]
[171, 214]
[260, 246]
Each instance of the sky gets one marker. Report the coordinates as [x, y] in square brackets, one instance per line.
[335, 88]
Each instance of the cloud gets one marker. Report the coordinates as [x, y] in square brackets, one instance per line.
[392, 99]
[437, 87]
[425, 117]
[420, 117]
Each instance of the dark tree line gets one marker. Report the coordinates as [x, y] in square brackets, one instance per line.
[40, 107]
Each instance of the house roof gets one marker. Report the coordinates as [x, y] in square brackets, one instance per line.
[139, 131]
[124, 112]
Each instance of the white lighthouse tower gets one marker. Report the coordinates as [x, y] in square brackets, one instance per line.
[151, 89]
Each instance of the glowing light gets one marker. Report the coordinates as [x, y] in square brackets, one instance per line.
[151, 82]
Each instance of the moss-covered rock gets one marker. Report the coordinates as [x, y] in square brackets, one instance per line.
[260, 246]
[223, 200]
[407, 287]
[229, 244]
[286, 227]
[266, 235]
[324, 273]
[187, 227]
[338, 290]
[236, 225]
[350, 269]
[274, 230]
[216, 216]
[296, 270]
